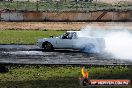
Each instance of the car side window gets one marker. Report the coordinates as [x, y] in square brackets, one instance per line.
[66, 36]
[69, 36]
[74, 36]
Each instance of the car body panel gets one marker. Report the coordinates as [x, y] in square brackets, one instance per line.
[73, 42]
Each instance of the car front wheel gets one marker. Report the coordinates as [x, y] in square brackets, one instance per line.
[47, 46]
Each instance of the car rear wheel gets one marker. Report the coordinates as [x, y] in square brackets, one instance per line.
[47, 46]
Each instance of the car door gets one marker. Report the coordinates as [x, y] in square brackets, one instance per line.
[65, 42]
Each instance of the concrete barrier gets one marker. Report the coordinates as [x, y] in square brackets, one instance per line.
[66, 16]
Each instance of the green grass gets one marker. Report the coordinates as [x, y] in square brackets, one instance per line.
[52, 6]
[25, 36]
[58, 76]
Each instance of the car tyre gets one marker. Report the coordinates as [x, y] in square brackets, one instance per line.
[47, 46]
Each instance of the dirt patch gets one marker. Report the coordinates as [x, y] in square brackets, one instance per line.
[61, 25]
[42, 25]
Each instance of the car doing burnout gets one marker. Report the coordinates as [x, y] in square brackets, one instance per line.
[72, 40]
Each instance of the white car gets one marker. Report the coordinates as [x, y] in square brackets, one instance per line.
[72, 40]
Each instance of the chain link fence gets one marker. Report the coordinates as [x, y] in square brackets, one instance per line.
[76, 5]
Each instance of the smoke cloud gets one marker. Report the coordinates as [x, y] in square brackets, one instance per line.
[118, 40]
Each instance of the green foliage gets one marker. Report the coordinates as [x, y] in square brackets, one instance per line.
[25, 36]
[58, 76]
[53, 6]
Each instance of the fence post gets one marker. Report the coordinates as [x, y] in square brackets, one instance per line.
[26, 5]
[37, 5]
[57, 4]
[76, 5]
[16, 6]
[96, 5]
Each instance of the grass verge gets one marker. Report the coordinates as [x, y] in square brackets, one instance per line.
[25, 36]
[64, 6]
[58, 76]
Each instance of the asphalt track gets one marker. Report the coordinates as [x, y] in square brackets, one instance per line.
[31, 54]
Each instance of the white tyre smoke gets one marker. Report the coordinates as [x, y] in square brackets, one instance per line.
[118, 40]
